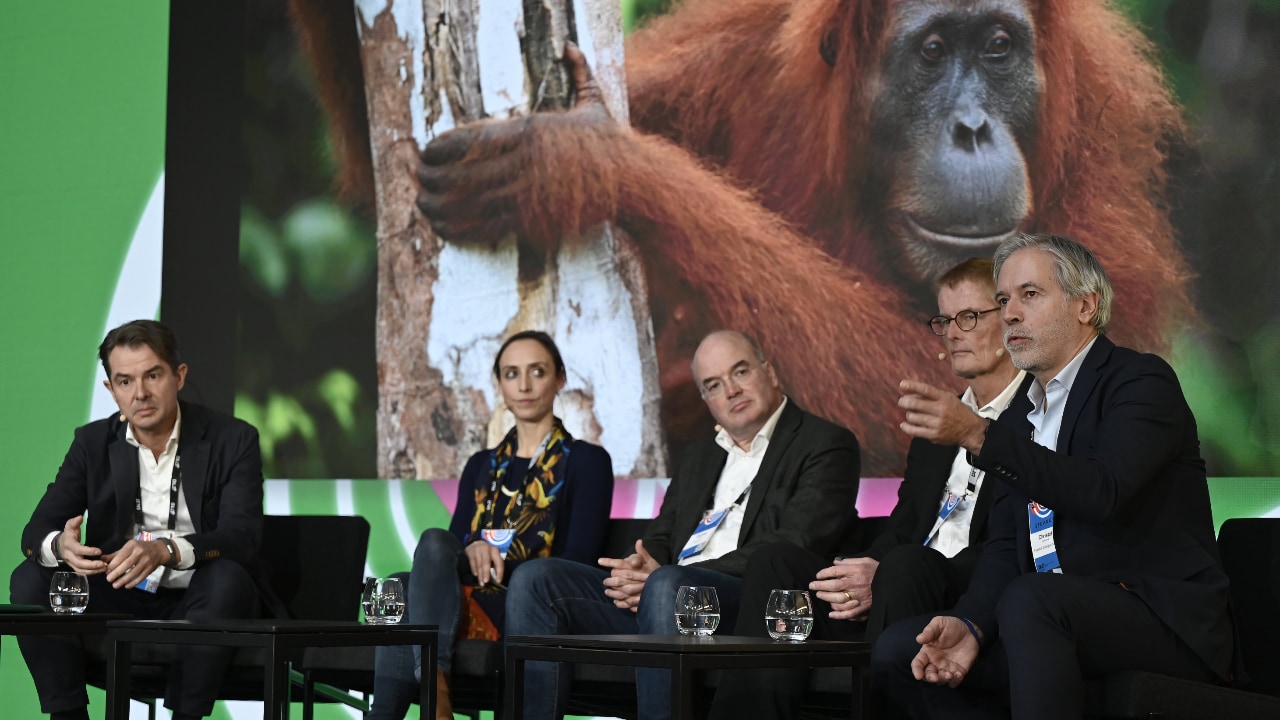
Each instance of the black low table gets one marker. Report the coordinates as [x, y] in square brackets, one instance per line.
[48, 623]
[281, 640]
[684, 655]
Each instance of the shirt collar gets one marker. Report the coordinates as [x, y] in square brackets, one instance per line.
[173, 436]
[992, 410]
[1065, 378]
[765, 432]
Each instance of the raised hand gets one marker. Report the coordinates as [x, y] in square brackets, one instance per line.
[627, 577]
[82, 558]
[947, 652]
[939, 416]
[846, 586]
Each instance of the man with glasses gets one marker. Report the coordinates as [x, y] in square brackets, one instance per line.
[773, 472]
[922, 560]
[1101, 556]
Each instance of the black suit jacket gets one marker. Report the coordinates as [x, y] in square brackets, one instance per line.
[1130, 499]
[805, 492]
[920, 494]
[221, 482]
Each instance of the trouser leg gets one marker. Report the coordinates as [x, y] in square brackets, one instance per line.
[220, 590]
[551, 596]
[1059, 630]
[657, 616]
[776, 692]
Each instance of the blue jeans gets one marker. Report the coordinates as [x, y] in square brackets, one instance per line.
[434, 597]
[552, 596]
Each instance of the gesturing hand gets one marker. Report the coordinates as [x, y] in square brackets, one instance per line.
[482, 557]
[939, 416]
[82, 558]
[627, 577]
[132, 563]
[947, 652]
[846, 586]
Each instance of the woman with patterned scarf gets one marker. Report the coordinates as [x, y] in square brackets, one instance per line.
[539, 493]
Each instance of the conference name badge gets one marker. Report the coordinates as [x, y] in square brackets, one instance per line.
[500, 539]
[1043, 550]
[948, 506]
[152, 582]
[702, 535]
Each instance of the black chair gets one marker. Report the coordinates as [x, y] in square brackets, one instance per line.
[1250, 550]
[316, 565]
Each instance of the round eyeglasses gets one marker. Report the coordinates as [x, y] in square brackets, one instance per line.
[965, 320]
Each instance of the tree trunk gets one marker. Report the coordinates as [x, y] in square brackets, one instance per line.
[444, 309]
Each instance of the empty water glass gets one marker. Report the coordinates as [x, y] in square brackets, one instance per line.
[697, 610]
[788, 615]
[383, 601]
[69, 592]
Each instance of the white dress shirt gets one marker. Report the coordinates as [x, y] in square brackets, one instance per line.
[154, 475]
[739, 470]
[1048, 402]
[953, 536]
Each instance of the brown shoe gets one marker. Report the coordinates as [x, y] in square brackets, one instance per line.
[444, 708]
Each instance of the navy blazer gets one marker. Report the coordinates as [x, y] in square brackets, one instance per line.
[805, 492]
[221, 483]
[1130, 499]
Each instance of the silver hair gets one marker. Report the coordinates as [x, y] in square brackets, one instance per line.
[1076, 268]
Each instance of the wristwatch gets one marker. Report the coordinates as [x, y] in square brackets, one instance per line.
[173, 552]
[57, 548]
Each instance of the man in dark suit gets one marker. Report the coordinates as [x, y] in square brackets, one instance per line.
[173, 493]
[922, 560]
[773, 472]
[1101, 556]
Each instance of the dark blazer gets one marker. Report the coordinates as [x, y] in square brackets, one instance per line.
[919, 495]
[805, 492]
[221, 482]
[1128, 490]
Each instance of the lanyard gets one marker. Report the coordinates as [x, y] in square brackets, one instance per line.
[175, 482]
[518, 500]
[951, 502]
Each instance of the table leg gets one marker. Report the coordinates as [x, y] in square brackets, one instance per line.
[428, 700]
[862, 704]
[515, 685]
[681, 690]
[274, 704]
[119, 668]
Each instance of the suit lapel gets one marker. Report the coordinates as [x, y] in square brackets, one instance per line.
[1082, 388]
[124, 478]
[784, 433]
[193, 449]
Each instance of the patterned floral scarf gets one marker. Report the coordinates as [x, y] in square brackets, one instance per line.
[530, 511]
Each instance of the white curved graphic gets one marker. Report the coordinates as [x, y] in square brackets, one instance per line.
[137, 293]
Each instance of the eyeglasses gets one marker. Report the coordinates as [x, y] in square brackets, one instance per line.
[965, 320]
[741, 375]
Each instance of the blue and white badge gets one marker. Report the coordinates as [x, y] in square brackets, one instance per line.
[500, 538]
[1043, 550]
[702, 535]
[948, 506]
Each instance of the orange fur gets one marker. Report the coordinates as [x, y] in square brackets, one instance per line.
[741, 179]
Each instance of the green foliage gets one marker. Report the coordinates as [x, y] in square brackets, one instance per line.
[635, 12]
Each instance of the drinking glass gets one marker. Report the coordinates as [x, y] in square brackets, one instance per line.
[69, 592]
[789, 615]
[697, 610]
[383, 601]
